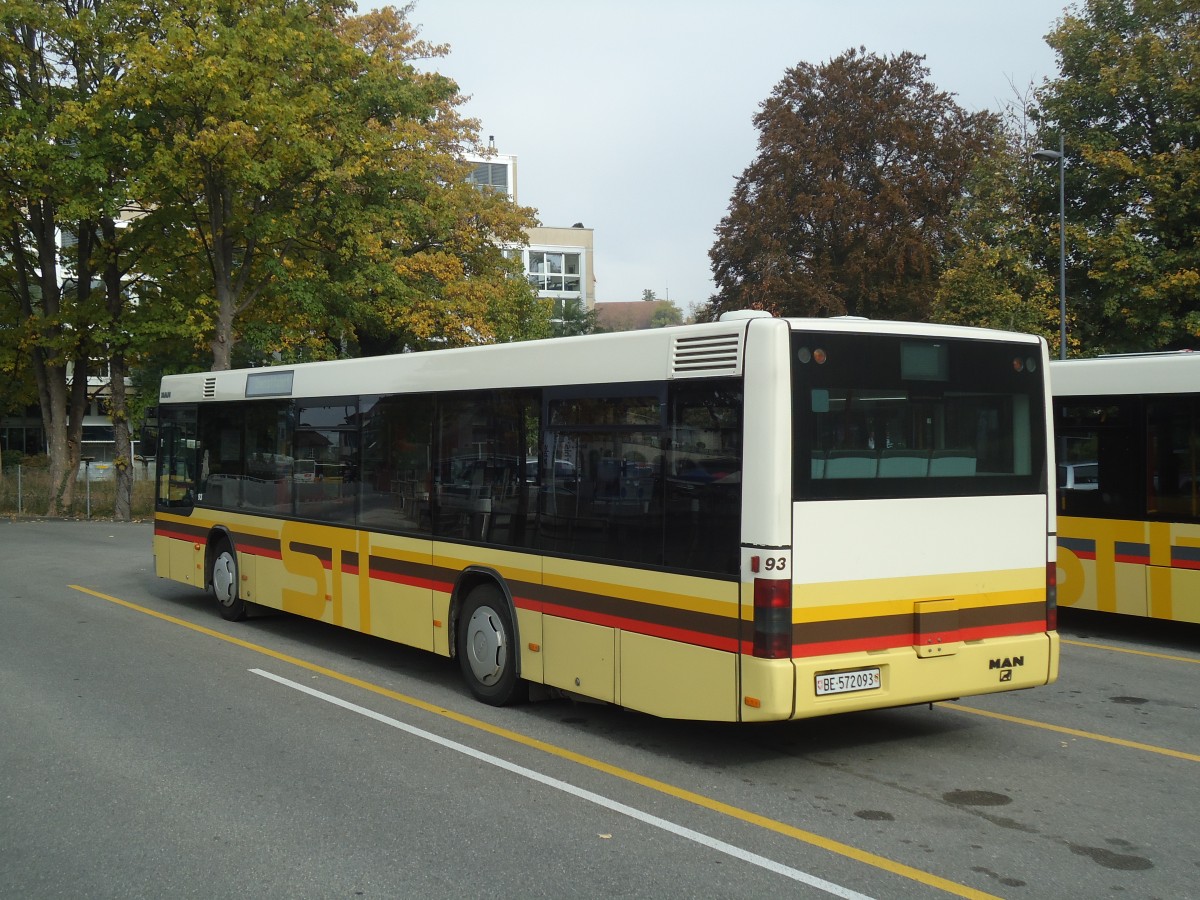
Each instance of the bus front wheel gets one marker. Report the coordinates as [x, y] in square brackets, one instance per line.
[225, 584]
[487, 653]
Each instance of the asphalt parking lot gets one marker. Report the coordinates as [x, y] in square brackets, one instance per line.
[153, 749]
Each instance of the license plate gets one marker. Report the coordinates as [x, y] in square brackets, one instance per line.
[848, 682]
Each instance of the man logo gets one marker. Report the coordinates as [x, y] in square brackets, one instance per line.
[1007, 663]
[1006, 666]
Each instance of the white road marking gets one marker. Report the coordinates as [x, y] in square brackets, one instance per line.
[712, 843]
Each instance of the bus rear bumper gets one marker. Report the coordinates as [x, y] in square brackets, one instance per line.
[803, 688]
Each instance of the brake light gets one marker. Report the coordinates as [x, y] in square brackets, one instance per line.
[772, 618]
[1051, 596]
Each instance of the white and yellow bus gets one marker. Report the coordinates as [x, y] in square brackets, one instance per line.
[754, 519]
[1128, 433]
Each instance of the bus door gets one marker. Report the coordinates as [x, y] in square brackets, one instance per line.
[177, 554]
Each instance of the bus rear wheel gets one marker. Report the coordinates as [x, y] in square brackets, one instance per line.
[487, 652]
[225, 584]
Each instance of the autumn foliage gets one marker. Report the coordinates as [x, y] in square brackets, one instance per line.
[845, 209]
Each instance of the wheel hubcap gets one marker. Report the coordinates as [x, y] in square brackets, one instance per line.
[486, 649]
[223, 576]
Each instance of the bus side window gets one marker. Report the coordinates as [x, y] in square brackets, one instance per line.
[1173, 449]
[704, 477]
[1101, 468]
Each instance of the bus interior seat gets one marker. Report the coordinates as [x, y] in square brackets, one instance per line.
[904, 464]
[952, 462]
[818, 464]
[851, 464]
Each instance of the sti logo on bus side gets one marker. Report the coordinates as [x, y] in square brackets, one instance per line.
[1006, 665]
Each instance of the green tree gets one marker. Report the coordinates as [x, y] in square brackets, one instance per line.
[665, 313]
[1127, 103]
[275, 170]
[571, 317]
[994, 275]
[48, 171]
[128, 313]
[845, 209]
[68, 149]
[310, 184]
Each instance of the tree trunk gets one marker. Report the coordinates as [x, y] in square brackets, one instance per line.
[123, 459]
[62, 478]
[114, 295]
[223, 340]
[220, 204]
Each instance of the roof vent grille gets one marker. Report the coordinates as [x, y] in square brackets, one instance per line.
[210, 387]
[709, 354]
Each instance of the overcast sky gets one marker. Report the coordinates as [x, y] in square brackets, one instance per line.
[634, 118]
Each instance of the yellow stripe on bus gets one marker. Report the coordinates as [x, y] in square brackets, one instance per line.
[1001, 583]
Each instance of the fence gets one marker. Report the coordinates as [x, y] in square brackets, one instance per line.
[25, 491]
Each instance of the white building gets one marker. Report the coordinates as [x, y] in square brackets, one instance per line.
[559, 260]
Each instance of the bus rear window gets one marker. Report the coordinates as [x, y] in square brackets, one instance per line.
[888, 416]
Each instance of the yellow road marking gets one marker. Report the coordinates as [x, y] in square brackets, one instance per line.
[1186, 659]
[799, 834]
[1075, 732]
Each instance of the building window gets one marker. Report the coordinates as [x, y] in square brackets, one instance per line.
[559, 272]
[490, 176]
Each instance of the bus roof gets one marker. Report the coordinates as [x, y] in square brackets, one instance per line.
[711, 349]
[1141, 373]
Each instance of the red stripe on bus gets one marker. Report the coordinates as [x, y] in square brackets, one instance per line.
[893, 641]
[410, 581]
[178, 536]
[695, 638]
[251, 550]
[1008, 629]
[529, 603]
[1128, 560]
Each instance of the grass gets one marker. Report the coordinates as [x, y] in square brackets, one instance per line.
[28, 495]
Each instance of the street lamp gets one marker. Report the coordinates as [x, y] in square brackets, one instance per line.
[1060, 156]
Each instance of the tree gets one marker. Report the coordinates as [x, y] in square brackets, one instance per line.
[309, 181]
[1127, 103]
[665, 313]
[994, 275]
[127, 313]
[276, 170]
[423, 257]
[47, 167]
[570, 317]
[71, 267]
[845, 209]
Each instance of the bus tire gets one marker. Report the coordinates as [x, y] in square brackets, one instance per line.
[224, 583]
[487, 652]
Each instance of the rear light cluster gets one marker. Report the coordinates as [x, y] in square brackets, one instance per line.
[773, 618]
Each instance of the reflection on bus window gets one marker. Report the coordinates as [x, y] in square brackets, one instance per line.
[177, 469]
[872, 420]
